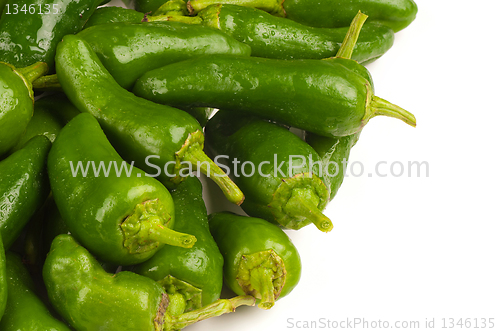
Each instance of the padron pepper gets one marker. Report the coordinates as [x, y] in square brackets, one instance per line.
[123, 301]
[129, 50]
[141, 130]
[25, 311]
[33, 29]
[323, 97]
[194, 273]
[105, 15]
[276, 170]
[158, 7]
[24, 186]
[123, 218]
[259, 258]
[396, 14]
[279, 38]
[16, 101]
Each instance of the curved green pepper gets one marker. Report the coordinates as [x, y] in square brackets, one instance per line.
[23, 187]
[123, 218]
[279, 38]
[195, 273]
[104, 15]
[283, 91]
[16, 105]
[259, 258]
[28, 37]
[129, 50]
[137, 128]
[3, 280]
[396, 14]
[25, 311]
[91, 299]
[284, 184]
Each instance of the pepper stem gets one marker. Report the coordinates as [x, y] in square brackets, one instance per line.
[219, 307]
[379, 106]
[147, 228]
[49, 82]
[192, 152]
[262, 275]
[34, 71]
[300, 204]
[352, 35]
[271, 6]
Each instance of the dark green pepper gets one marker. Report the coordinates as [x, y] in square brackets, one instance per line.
[23, 187]
[284, 185]
[279, 38]
[129, 50]
[279, 90]
[259, 258]
[195, 273]
[396, 14]
[123, 218]
[59, 106]
[16, 106]
[142, 131]
[124, 301]
[25, 311]
[104, 15]
[32, 36]
[3, 280]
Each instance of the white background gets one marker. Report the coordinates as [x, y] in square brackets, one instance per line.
[407, 249]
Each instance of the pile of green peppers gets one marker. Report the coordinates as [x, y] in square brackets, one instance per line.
[108, 118]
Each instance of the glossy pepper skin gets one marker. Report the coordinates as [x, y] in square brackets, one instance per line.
[319, 96]
[16, 101]
[3, 280]
[123, 219]
[396, 14]
[28, 38]
[123, 301]
[24, 186]
[104, 15]
[286, 186]
[129, 50]
[137, 128]
[200, 266]
[25, 311]
[259, 258]
[280, 38]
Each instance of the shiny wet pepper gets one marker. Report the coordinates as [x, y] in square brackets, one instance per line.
[123, 218]
[259, 258]
[140, 130]
[123, 301]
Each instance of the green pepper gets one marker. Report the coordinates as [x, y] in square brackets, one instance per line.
[123, 218]
[259, 258]
[3, 280]
[142, 131]
[129, 50]
[279, 90]
[155, 6]
[279, 38]
[104, 15]
[16, 106]
[25, 311]
[33, 29]
[23, 187]
[91, 299]
[276, 170]
[396, 14]
[59, 106]
[195, 273]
